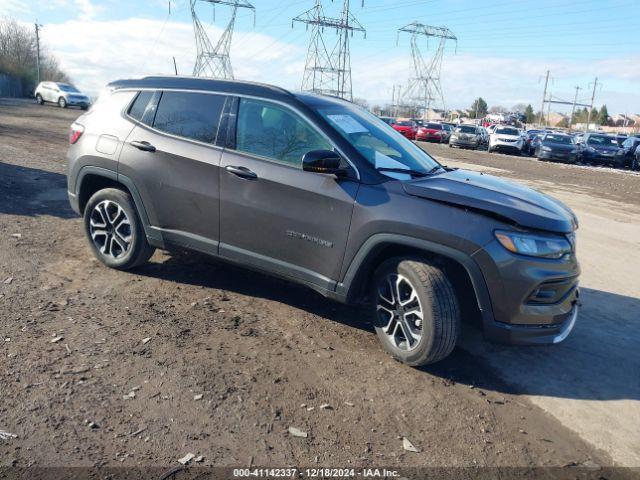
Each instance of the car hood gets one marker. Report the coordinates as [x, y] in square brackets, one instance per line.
[522, 205]
[500, 136]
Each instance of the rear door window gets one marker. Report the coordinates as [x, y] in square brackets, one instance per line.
[191, 115]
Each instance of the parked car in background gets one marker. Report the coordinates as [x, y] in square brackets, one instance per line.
[388, 120]
[598, 148]
[556, 146]
[620, 138]
[635, 164]
[466, 136]
[484, 137]
[63, 94]
[408, 128]
[531, 134]
[626, 155]
[418, 121]
[432, 132]
[506, 139]
[448, 131]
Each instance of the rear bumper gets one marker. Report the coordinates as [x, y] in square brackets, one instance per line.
[73, 201]
[464, 143]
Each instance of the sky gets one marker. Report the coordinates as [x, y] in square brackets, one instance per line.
[503, 51]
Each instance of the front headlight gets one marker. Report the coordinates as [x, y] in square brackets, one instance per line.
[534, 245]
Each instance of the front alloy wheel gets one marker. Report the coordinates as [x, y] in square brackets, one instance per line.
[415, 308]
[62, 103]
[110, 229]
[399, 312]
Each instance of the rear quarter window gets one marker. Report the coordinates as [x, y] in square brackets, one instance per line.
[139, 105]
[191, 115]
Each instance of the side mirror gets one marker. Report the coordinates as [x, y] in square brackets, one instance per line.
[323, 161]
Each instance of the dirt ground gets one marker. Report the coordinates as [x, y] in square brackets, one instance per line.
[100, 367]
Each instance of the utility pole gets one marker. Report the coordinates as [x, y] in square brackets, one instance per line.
[38, 27]
[573, 108]
[544, 98]
[393, 99]
[593, 97]
[175, 67]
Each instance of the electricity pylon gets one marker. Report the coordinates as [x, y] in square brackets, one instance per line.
[214, 61]
[424, 89]
[328, 69]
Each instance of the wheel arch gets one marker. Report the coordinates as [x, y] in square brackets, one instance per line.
[464, 272]
[92, 179]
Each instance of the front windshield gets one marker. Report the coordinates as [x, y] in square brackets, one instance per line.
[507, 131]
[383, 147]
[466, 129]
[602, 140]
[67, 88]
[433, 126]
[406, 124]
[564, 139]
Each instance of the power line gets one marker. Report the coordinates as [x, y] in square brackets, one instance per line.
[425, 87]
[328, 70]
[215, 61]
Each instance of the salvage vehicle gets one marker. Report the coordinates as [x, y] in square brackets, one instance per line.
[556, 146]
[63, 94]
[466, 136]
[626, 154]
[432, 132]
[598, 148]
[317, 190]
[506, 139]
[407, 128]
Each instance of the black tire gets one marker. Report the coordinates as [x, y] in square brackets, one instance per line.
[39, 99]
[62, 103]
[437, 299]
[139, 251]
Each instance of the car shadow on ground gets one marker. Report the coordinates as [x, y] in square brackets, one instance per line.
[599, 361]
[33, 192]
[200, 270]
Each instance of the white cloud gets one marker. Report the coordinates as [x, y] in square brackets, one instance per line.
[95, 52]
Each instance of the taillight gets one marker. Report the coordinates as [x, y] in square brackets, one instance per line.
[75, 133]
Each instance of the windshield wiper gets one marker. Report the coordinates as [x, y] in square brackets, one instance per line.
[408, 171]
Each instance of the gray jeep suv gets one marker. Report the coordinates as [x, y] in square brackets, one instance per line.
[318, 191]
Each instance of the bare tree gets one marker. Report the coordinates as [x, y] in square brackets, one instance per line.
[18, 53]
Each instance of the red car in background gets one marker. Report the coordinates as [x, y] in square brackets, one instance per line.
[432, 132]
[407, 128]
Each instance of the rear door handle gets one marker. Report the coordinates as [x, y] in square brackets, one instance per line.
[242, 172]
[144, 146]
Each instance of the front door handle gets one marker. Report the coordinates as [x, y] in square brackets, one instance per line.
[242, 172]
[144, 146]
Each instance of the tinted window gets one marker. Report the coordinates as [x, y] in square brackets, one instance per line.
[190, 115]
[466, 129]
[565, 139]
[433, 126]
[406, 124]
[139, 105]
[274, 132]
[602, 140]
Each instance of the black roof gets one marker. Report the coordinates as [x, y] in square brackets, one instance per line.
[226, 86]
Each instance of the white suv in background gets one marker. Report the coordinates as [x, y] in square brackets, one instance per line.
[61, 93]
[505, 138]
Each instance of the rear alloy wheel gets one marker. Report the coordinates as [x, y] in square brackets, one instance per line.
[62, 103]
[114, 230]
[417, 317]
[39, 99]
